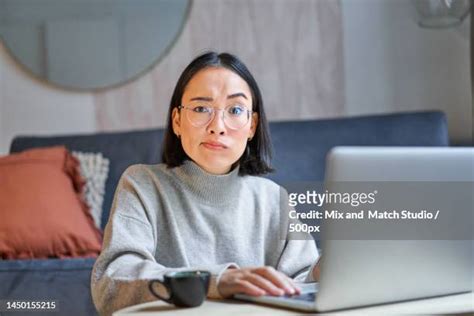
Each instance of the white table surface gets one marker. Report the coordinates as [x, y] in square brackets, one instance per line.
[460, 304]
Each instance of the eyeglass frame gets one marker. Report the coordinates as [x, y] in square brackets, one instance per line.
[213, 114]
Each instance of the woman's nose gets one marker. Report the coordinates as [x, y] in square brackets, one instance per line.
[217, 125]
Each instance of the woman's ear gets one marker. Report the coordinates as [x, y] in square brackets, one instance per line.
[175, 119]
[253, 124]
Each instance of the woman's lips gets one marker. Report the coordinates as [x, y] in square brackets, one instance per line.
[214, 145]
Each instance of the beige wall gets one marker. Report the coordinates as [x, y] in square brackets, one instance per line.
[311, 58]
[30, 107]
[293, 48]
[392, 64]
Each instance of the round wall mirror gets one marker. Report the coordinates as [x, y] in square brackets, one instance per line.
[90, 44]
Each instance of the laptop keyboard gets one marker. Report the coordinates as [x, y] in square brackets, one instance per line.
[306, 297]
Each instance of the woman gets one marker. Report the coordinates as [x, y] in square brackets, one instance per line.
[203, 208]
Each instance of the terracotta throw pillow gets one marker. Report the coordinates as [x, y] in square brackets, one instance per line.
[42, 214]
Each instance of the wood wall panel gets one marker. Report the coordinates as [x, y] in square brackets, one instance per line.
[294, 48]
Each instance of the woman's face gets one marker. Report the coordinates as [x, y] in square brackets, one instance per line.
[214, 146]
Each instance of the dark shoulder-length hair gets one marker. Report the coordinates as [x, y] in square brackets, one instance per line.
[257, 156]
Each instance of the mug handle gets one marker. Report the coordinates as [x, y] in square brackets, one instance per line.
[150, 286]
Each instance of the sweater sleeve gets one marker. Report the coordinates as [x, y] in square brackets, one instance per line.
[300, 254]
[298, 260]
[127, 262]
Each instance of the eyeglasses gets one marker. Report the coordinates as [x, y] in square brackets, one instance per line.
[234, 116]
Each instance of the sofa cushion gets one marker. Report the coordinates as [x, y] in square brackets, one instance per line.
[41, 208]
[66, 281]
[300, 147]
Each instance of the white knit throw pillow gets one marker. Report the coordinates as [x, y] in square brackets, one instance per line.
[94, 169]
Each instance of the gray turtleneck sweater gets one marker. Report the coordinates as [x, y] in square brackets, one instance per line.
[171, 219]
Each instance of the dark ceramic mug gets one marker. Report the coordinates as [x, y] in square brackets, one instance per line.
[185, 288]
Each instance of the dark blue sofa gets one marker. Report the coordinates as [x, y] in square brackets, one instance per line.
[300, 148]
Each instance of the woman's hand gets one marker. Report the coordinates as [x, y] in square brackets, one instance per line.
[255, 281]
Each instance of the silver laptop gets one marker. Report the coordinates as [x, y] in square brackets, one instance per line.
[357, 273]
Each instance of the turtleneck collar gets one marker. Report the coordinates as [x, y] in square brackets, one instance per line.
[211, 188]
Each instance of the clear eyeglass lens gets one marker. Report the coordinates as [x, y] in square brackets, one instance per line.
[235, 116]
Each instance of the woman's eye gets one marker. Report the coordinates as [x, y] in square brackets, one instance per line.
[201, 109]
[236, 110]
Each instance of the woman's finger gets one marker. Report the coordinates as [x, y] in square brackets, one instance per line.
[293, 284]
[264, 284]
[277, 278]
[246, 287]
